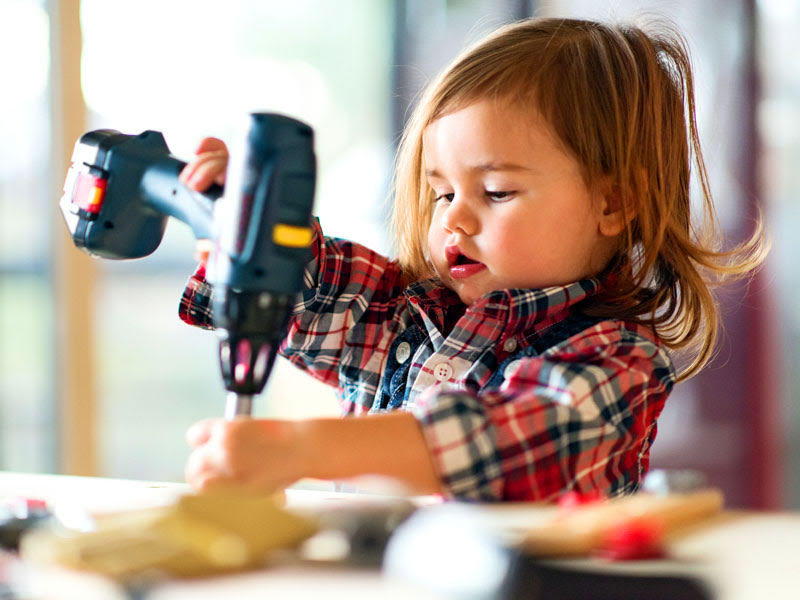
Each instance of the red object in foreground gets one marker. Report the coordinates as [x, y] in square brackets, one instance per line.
[22, 507]
[572, 500]
[634, 539]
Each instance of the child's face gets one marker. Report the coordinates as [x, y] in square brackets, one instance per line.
[512, 209]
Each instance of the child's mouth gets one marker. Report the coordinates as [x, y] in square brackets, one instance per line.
[461, 265]
[466, 270]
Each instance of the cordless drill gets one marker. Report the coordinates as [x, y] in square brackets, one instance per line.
[121, 189]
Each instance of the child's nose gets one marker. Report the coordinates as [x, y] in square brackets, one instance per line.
[460, 217]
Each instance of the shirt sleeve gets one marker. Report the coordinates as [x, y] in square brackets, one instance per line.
[342, 317]
[337, 268]
[581, 417]
[349, 299]
[195, 306]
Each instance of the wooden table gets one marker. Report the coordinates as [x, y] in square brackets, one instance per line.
[739, 555]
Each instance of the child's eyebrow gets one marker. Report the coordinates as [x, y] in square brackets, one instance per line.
[487, 166]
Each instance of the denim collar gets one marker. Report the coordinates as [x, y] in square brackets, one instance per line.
[508, 312]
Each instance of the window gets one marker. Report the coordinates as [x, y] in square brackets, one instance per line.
[779, 118]
[195, 70]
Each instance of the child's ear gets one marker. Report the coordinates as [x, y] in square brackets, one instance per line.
[615, 210]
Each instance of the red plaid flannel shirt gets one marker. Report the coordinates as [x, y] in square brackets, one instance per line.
[579, 416]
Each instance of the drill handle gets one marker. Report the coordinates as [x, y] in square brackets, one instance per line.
[165, 194]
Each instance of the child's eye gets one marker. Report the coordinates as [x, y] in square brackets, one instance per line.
[500, 196]
[448, 197]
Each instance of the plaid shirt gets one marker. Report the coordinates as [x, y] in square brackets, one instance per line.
[503, 416]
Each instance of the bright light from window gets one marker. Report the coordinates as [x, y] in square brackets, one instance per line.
[24, 46]
[187, 67]
[779, 9]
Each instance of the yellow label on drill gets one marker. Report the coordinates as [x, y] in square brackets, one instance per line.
[291, 235]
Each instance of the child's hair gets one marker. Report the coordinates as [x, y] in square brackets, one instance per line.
[622, 102]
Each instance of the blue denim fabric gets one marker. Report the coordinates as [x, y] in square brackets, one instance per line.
[393, 393]
[552, 336]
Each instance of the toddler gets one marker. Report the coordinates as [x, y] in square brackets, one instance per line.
[547, 263]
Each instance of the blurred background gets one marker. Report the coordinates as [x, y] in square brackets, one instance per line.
[97, 374]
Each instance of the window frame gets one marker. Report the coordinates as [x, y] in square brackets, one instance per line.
[74, 275]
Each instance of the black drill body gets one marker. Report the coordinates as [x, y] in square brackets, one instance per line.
[121, 189]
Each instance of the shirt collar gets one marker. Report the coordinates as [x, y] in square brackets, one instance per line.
[429, 301]
[512, 311]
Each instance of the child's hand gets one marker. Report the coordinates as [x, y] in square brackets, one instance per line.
[256, 454]
[264, 455]
[209, 165]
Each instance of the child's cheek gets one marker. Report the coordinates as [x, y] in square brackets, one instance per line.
[435, 244]
[520, 258]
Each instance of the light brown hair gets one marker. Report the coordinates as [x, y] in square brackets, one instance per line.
[621, 100]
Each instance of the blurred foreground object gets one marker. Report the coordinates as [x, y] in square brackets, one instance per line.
[435, 553]
[456, 551]
[198, 535]
[595, 526]
[17, 515]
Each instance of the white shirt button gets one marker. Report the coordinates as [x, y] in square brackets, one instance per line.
[510, 344]
[403, 352]
[511, 367]
[442, 371]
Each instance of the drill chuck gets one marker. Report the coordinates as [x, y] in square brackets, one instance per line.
[250, 326]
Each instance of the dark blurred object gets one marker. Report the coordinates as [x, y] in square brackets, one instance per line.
[532, 579]
[18, 515]
[357, 535]
[453, 551]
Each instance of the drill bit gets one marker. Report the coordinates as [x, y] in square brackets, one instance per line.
[238, 405]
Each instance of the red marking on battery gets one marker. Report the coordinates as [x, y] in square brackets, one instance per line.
[89, 192]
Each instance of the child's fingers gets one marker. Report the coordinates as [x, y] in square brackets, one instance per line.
[211, 144]
[199, 433]
[202, 470]
[209, 464]
[207, 169]
[209, 165]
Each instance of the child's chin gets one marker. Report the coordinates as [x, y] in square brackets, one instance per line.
[468, 296]
[467, 293]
